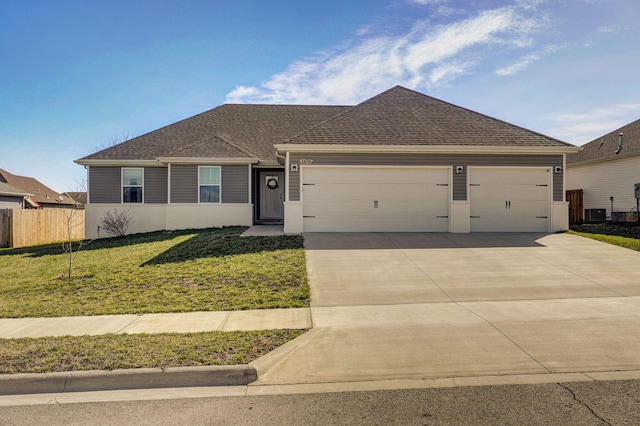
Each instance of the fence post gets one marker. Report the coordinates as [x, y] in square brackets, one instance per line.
[5, 228]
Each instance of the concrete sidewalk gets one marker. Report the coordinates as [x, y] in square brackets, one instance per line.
[187, 322]
[143, 378]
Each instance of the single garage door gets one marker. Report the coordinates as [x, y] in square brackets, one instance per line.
[375, 199]
[509, 199]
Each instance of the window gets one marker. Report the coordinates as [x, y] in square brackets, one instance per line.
[209, 182]
[132, 183]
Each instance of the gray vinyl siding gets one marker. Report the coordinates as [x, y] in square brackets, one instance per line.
[235, 184]
[459, 180]
[155, 185]
[459, 184]
[7, 202]
[184, 183]
[105, 185]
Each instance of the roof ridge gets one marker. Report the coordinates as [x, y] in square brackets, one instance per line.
[204, 140]
[349, 108]
[239, 148]
[346, 111]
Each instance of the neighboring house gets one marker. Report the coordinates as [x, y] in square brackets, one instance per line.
[606, 172]
[12, 198]
[42, 196]
[400, 161]
[79, 198]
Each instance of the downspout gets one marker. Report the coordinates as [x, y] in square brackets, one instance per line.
[282, 157]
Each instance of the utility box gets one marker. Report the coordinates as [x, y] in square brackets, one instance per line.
[595, 215]
[636, 188]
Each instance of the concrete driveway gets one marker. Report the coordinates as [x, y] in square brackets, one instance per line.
[455, 306]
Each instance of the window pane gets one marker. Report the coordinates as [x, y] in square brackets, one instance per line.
[132, 194]
[209, 176]
[209, 194]
[132, 176]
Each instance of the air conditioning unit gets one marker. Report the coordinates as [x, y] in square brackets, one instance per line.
[595, 215]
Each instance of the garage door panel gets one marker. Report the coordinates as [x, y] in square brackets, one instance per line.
[375, 199]
[363, 223]
[375, 191]
[509, 199]
[528, 208]
[370, 208]
[509, 224]
[513, 208]
[368, 175]
[510, 192]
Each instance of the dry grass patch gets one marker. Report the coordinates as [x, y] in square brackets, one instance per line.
[117, 351]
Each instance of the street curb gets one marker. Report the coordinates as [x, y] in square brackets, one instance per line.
[141, 378]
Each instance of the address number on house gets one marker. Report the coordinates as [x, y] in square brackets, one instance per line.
[306, 161]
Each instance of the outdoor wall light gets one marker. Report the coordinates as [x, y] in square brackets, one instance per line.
[459, 169]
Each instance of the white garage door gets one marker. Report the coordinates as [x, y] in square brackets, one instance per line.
[375, 199]
[510, 199]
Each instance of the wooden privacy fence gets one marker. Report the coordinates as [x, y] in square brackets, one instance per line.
[576, 206]
[20, 228]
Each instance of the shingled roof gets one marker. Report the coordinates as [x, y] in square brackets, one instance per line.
[228, 131]
[6, 189]
[401, 116]
[41, 193]
[604, 148]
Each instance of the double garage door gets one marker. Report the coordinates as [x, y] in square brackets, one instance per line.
[416, 199]
[375, 199]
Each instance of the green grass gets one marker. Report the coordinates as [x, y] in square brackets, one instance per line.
[629, 230]
[195, 270]
[630, 243]
[623, 234]
[111, 351]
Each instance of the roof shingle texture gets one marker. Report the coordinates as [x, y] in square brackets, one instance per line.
[401, 116]
[41, 193]
[6, 189]
[228, 131]
[604, 148]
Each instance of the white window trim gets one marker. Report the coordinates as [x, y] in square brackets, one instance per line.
[122, 185]
[219, 185]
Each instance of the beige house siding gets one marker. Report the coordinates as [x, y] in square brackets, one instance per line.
[600, 181]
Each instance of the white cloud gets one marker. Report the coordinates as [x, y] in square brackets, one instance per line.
[426, 56]
[527, 60]
[518, 66]
[605, 29]
[424, 2]
[587, 126]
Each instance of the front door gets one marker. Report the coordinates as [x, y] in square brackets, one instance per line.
[271, 196]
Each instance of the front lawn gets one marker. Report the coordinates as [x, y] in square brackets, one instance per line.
[118, 351]
[195, 270]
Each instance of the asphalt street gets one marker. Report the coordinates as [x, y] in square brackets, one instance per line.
[582, 403]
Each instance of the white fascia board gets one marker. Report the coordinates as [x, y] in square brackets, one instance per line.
[123, 163]
[207, 160]
[428, 149]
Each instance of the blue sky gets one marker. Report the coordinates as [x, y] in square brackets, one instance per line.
[75, 74]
